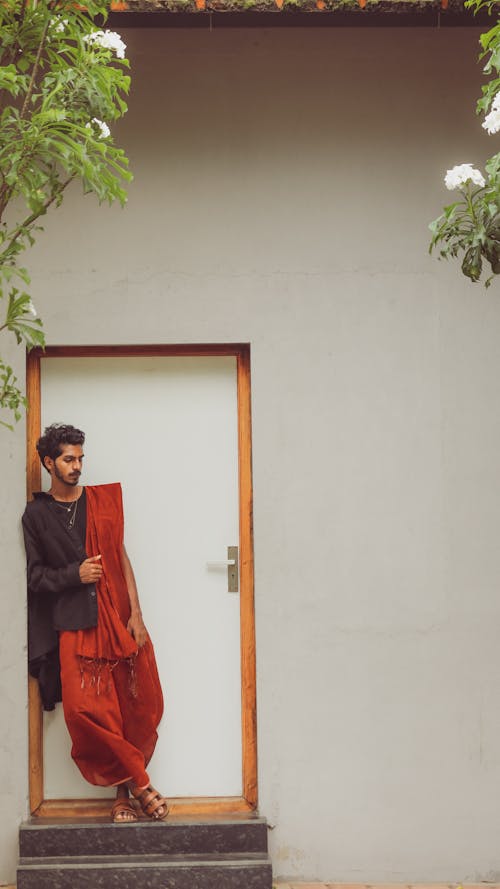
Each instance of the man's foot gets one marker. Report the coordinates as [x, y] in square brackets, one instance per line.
[123, 812]
[151, 802]
[123, 809]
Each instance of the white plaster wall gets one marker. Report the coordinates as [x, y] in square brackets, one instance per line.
[13, 684]
[284, 182]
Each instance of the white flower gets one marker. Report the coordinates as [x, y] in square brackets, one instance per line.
[461, 174]
[492, 121]
[495, 105]
[104, 130]
[107, 40]
[30, 309]
[60, 25]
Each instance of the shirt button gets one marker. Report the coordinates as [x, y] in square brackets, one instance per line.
[92, 593]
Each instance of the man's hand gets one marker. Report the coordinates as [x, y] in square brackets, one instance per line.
[137, 629]
[91, 570]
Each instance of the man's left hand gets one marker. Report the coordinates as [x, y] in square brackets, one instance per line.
[137, 629]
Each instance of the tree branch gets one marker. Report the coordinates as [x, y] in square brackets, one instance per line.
[36, 64]
[31, 219]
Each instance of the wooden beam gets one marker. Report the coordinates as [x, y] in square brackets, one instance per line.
[101, 808]
[33, 394]
[247, 604]
[179, 350]
[33, 482]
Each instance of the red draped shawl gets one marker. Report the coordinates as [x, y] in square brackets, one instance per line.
[109, 640]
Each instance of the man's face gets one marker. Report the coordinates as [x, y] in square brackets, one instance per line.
[67, 466]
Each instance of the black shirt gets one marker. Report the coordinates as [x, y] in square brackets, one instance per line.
[73, 516]
[57, 599]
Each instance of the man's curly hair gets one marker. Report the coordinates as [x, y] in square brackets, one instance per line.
[49, 444]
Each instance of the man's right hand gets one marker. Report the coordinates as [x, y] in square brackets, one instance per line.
[91, 570]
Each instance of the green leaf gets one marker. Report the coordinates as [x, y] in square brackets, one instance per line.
[472, 263]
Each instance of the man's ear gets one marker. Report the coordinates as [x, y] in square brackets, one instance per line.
[48, 463]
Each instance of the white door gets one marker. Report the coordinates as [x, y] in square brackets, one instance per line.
[166, 428]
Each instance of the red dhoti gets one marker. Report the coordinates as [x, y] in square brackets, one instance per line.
[112, 696]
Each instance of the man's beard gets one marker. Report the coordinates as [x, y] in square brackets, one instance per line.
[72, 482]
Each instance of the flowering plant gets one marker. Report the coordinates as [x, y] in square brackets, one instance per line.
[472, 224]
[63, 80]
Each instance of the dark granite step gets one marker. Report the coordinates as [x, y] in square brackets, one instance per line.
[236, 871]
[172, 837]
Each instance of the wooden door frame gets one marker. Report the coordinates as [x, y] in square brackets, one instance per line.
[71, 808]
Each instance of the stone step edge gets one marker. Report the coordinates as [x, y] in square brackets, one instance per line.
[147, 824]
[141, 862]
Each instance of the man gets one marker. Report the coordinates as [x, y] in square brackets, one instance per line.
[87, 641]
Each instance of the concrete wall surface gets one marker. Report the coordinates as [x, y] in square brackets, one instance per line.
[284, 180]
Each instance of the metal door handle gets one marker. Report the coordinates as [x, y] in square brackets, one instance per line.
[231, 563]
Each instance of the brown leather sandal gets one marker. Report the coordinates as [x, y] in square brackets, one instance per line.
[123, 806]
[150, 802]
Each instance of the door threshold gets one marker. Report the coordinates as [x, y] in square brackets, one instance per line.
[180, 807]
